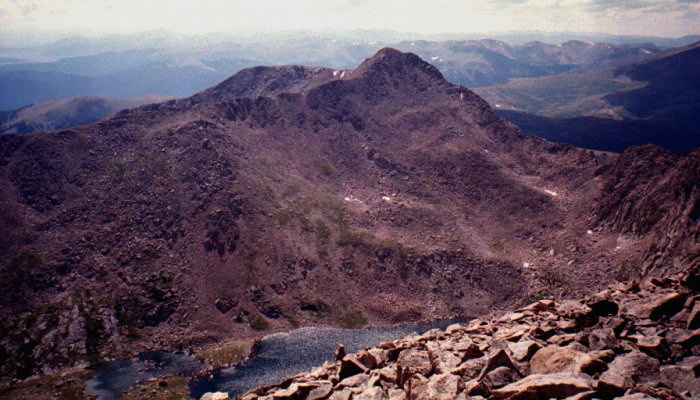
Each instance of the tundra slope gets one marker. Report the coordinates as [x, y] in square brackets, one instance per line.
[296, 196]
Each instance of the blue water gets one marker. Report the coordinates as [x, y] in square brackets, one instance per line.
[113, 378]
[285, 354]
[277, 357]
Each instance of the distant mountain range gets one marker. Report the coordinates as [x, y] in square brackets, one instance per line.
[655, 101]
[49, 115]
[489, 62]
[591, 94]
[181, 72]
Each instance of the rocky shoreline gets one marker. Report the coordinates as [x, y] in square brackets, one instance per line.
[632, 341]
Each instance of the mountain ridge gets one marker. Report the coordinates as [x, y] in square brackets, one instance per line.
[654, 101]
[383, 196]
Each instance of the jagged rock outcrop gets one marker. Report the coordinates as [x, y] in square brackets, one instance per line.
[652, 193]
[628, 341]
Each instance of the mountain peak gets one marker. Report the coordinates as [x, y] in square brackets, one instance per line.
[389, 61]
[267, 81]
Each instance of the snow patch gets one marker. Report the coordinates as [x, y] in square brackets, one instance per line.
[589, 232]
[497, 105]
[551, 192]
[645, 51]
[386, 198]
[434, 58]
[335, 73]
[342, 75]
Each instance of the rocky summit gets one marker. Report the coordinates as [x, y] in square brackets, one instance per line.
[629, 341]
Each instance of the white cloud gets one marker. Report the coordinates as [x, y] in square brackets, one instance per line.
[438, 16]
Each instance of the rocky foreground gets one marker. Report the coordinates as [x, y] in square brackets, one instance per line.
[631, 341]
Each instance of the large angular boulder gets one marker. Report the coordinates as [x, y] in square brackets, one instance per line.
[470, 368]
[576, 313]
[350, 366]
[683, 376]
[445, 361]
[660, 305]
[443, 387]
[499, 359]
[545, 386]
[627, 371]
[371, 393]
[500, 377]
[654, 346]
[600, 339]
[694, 317]
[322, 391]
[416, 360]
[523, 349]
[553, 359]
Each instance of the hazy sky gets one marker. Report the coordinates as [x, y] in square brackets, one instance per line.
[645, 17]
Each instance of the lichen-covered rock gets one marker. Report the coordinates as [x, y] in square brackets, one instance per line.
[417, 361]
[500, 377]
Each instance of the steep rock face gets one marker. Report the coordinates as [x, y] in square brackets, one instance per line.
[648, 192]
[379, 195]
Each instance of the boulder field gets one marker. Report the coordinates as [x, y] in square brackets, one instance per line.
[630, 341]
